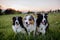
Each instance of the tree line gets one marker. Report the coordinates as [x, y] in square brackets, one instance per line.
[12, 11]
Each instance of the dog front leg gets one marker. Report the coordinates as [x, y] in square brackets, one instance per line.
[29, 33]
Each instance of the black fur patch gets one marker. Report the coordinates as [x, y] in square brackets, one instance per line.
[20, 22]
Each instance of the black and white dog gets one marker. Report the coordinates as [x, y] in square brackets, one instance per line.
[30, 24]
[42, 23]
[18, 25]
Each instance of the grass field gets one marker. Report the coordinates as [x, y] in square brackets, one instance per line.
[6, 32]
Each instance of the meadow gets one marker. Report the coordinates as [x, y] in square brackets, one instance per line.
[6, 32]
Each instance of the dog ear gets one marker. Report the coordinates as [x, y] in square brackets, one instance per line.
[13, 18]
[20, 17]
[32, 17]
[38, 15]
[46, 14]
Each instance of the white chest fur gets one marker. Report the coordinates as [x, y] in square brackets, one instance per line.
[42, 28]
[31, 28]
[17, 28]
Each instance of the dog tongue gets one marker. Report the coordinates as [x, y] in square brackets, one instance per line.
[43, 23]
[27, 25]
[17, 24]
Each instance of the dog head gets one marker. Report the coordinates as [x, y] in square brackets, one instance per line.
[17, 20]
[42, 18]
[29, 19]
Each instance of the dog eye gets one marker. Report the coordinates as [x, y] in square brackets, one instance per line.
[24, 18]
[44, 16]
[30, 19]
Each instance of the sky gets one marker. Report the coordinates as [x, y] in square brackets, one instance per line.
[32, 5]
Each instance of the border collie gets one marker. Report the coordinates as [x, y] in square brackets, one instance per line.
[42, 23]
[30, 24]
[18, 25]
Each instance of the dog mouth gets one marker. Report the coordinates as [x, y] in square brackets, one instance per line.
[17, 23]
[27, 25]
[43, 23]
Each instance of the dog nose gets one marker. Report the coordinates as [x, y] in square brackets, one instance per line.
[44, 20]
[16, 22]
[26, 22]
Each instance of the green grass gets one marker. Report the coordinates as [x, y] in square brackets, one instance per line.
[6, 32]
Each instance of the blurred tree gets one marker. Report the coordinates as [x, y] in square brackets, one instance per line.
[19, 12]
[9, 11]
[58, 10]
[30, 12]
[0, 11]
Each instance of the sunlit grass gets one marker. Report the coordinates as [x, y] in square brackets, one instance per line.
[6, 32]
